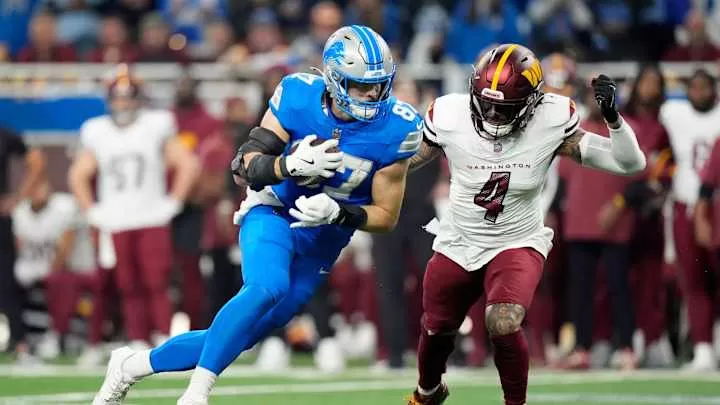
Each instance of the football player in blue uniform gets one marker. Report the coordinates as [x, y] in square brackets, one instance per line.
[329, 157]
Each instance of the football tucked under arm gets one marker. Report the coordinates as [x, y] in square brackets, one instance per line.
[618, 154]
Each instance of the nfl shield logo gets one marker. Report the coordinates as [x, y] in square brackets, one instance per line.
[336, 133]
[497, 147]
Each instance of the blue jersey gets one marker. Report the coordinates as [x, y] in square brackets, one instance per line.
[367, 146]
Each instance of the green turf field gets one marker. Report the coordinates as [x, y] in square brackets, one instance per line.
[242, 385]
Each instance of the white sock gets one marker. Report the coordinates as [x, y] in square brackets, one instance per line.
[138, 365]
[426, 393]
[201, 383]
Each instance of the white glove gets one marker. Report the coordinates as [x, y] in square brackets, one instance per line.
[308, 160]
[317, 210]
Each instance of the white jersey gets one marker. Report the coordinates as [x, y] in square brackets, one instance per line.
[131, 169]
[39, 233]
[692, 136]
[495, 186]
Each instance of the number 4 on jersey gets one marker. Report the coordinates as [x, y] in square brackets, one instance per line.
[492, 194]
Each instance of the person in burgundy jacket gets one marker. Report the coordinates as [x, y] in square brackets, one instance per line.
[195, 127]
[44, 46]
[645, 197]
[588, 246]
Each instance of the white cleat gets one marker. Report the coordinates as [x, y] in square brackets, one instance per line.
[704, 359]
[274, 356]
[329, 356]
[92, 356]
[117, 383]
[49, 346]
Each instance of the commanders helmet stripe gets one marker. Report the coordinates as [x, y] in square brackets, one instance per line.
[366, 44]
[501, 65]
[373, 44]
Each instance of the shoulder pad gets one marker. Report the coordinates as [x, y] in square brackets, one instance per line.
[555, 110]
[448, 109]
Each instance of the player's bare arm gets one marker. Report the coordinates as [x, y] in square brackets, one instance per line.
[260, 162]
[186, 167]
[35, 164]
[80, 177]
[424, 155]
[388, 189]
[618, 154]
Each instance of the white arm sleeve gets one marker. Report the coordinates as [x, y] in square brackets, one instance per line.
[619, 154]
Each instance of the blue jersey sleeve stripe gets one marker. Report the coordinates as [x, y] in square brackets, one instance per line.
[366, 45]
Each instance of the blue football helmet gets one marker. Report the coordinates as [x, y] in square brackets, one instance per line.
[357, 55]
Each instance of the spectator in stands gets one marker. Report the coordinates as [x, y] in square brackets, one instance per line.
[156, 44]
[11, 146]
[218, 40]
[44, 46]
[430, 26]
[114, 46]
[189, 17]
[384, 17]
[195, 127]
[477, 24]
[14, 23]
[77, 23]
[560, 25]
[131, 12]
[265, 43]
[325, 18]
[698, 46]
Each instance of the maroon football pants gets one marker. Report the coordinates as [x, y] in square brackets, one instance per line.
[695, 269]
[142, 274]
[63, 290]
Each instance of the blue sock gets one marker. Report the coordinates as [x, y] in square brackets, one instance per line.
[179, 353]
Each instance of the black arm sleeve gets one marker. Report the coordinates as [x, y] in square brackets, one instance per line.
[260, 171]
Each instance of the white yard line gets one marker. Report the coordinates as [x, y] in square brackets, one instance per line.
[267, 389]
[309, 373]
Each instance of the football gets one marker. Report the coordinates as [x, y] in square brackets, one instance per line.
[311, 180]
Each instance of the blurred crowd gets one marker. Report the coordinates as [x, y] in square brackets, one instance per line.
[629, 313]
[292, 32]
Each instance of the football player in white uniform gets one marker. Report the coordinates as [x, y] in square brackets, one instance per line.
[131, 150]
[499, 141]
[693, 126]
[54, 250]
